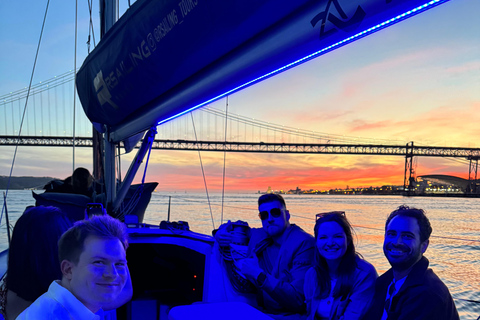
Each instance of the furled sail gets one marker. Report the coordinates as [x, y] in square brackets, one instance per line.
[164, 57]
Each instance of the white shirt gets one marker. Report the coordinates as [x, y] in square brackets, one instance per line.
[59, 303]
[325, 305]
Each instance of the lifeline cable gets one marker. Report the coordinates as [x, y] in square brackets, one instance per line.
[313, 219]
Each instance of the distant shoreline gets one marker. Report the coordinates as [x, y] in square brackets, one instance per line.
[24, 183]
[432, 195]
[37, 183]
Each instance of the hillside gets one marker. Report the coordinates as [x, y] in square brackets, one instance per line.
[20, 183]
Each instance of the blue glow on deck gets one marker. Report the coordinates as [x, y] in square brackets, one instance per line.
[334, 46]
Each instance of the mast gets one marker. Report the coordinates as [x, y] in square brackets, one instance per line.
[108, 15]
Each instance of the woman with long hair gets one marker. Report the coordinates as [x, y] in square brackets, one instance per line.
[341, 283]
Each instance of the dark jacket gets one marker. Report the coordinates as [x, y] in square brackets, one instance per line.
[423, 296]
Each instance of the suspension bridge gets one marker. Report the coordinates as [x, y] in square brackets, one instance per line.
[47, 121]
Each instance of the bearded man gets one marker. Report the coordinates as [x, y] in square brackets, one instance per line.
[409, 290]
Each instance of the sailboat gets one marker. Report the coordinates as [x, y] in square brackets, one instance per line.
[163, 59]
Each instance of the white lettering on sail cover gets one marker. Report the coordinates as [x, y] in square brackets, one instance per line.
[186, 6]
[144, 49]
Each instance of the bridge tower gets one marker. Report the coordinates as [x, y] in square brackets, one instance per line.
[472, 175]
[409, 182]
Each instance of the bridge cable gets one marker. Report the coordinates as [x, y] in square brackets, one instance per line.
[224, 157]
[24, 110]
[203, 172]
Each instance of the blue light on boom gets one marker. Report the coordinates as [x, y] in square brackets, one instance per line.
[385, 24]
[158, 60]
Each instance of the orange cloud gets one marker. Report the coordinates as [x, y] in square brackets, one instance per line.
[256, 172]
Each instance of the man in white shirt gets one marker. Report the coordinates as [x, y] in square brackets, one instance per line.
[95, 273]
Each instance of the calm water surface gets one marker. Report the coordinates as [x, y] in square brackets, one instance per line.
[453, 251]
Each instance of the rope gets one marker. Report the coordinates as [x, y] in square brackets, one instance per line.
[467, 300]
[24, 109]
[224, 158]
[203, 173]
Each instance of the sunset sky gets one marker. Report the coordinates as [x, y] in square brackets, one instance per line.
[416, 81]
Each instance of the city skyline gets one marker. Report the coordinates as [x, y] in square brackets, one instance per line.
[415, 81]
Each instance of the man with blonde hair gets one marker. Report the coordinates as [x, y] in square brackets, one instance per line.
[94, 269]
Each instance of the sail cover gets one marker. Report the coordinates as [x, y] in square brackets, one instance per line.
[167, 56]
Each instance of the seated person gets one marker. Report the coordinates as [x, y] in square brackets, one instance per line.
[279, 254]
[33, 257]
[94, 270]
[82, 182]
[59, 186]
[409, 290]
[341, 284]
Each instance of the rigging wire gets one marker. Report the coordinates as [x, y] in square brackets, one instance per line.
[203, 173]
[74, 85]
[90, 29]
[224, 158]
[24, 109]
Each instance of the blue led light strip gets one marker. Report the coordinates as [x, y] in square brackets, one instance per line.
[357, 36]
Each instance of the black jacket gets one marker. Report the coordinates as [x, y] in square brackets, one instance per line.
[423, 296]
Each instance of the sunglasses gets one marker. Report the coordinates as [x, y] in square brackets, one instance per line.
[275, 212]
[323, 214]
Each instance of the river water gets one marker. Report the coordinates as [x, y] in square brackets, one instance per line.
[453, 251]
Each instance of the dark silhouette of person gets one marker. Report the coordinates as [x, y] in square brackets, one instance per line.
[59, 186]
[33, 257]
[82, 182]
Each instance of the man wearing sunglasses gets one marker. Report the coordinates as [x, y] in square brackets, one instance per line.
[278, 257]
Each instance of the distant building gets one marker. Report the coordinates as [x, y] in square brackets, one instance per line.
[296, 191]
[440, 183]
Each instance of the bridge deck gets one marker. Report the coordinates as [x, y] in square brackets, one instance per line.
[261, 147]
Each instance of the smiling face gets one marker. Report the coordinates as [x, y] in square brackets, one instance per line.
[402, 246]
[331, 241]
[275, 226]
[100, 274]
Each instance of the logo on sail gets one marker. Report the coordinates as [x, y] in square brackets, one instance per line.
[333, 20]
[103, 94]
